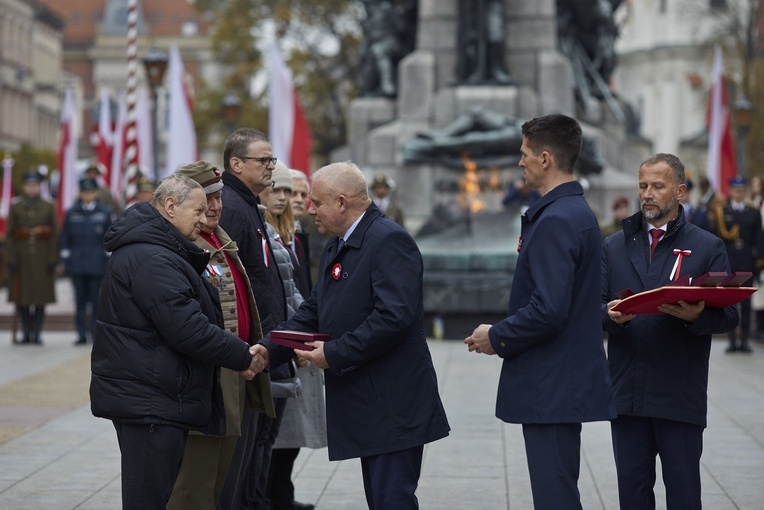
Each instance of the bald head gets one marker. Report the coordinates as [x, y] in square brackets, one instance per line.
[339, 196]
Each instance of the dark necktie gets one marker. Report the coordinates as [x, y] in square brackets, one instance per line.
[340, 244]
[656, 233]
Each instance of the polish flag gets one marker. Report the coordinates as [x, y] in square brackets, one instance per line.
[67, 155]
[6, 191]
[105, 146]
[288, 129]
[721, 155]
[181, 134]
[145, 135]
[117, 184]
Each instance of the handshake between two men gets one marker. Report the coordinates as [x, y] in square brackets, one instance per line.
[259, 361]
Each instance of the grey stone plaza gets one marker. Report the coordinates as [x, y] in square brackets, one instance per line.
[54, 455]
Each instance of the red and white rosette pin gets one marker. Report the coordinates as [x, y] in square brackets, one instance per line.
[336, 271]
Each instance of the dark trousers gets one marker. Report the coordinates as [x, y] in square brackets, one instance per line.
[242, 456]
[390, 479]
[31, 322]
[745, 323]
[554, 456]
[636, 442]
[86, 290]
[280, 486]
[151, 457]
[253, 496]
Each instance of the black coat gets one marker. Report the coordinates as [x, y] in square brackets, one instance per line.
[659, 363]
[244, 223]
[157, 343]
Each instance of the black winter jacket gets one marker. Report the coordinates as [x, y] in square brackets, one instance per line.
[157, 343]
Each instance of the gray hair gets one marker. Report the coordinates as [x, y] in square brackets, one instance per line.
[177, 186]
[674, 162]
[300, 176]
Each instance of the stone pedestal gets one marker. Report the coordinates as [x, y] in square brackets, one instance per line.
[429, 99]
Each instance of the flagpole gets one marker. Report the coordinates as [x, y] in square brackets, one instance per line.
[132, 173]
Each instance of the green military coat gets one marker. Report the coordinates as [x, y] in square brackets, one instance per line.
[32, 251]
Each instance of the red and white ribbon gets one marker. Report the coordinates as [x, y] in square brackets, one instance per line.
[678, 264]
[265, 246]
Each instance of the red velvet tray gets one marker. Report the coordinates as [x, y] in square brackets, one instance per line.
[297, 339]
[718, 297]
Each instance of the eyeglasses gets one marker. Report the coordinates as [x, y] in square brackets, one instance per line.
[263, 161]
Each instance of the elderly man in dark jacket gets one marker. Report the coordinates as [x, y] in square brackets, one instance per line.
[659, 363]
[157, 343]
[382, 401]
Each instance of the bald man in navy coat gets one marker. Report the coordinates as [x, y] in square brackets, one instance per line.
[381, 389]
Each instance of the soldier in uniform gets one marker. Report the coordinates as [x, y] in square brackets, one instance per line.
[95, 172]
[84, 256]
[739, 225]
[381, 188]
[32, 256]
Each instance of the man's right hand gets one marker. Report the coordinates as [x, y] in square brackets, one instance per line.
[259, 361]
[618, 317]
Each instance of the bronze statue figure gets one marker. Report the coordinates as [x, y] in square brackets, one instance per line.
[482, 36]
[389, 35]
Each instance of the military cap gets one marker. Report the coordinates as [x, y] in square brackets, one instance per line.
[205, 174]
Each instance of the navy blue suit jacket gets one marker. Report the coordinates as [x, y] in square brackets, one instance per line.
[659, 363]
[554, 368]
[381, 388]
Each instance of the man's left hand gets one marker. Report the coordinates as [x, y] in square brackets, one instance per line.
[479, 341]
[316, 356]
[689, 312]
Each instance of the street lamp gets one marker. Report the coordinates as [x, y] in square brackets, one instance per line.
[741, 112]
[156, 65]
[231, 111]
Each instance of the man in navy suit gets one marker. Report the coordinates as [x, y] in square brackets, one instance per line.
[381, 390]
[659, 362]
[554, 375]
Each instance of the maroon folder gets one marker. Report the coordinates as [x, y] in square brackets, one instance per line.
[297, 339]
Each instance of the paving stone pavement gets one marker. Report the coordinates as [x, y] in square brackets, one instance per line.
[54, 455]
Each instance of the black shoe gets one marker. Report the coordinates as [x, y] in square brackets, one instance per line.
[731, 348]
[302, 506]
[81, 341]
[745, 349]
[37, 341]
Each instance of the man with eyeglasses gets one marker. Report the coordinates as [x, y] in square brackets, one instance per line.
[249, 163]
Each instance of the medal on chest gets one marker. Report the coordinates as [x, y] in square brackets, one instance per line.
[213, 274]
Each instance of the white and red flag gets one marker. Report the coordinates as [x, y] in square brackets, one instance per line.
[67, 155]
[117, 184]
[105, 145]
[145, 135]
[181, 134]
[721, 154]
[6, 191]
[288, 128]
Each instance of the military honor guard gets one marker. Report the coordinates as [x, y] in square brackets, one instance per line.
[738, 223]
[32, 256]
